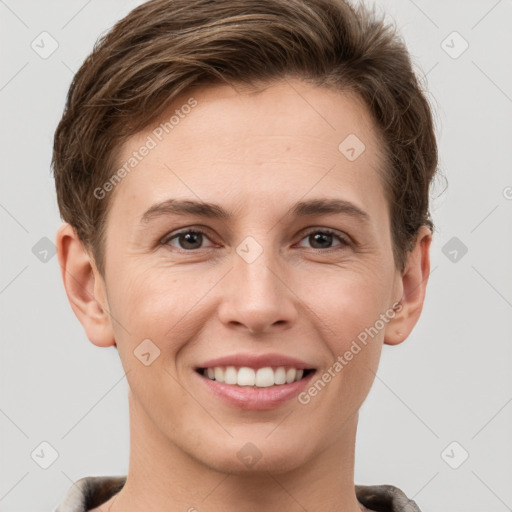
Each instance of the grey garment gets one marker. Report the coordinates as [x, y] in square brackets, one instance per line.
[91, 491]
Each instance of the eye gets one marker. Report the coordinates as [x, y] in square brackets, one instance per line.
[192, 239]
[323, 238]
[187, 240]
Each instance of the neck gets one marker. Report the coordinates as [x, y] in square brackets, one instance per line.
[164, 477]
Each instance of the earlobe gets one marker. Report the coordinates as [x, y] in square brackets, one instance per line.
[414, 281]
[85, 288]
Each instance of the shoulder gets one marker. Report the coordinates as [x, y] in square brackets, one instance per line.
[89, 492]
[385, 498]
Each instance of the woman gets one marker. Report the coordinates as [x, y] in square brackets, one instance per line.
[245, 190]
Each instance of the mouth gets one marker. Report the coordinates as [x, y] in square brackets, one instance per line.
[245, 376]
[254, 389]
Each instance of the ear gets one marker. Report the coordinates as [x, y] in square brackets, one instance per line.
[413, 284]
[84, 286]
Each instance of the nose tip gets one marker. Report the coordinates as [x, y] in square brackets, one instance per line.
[262, 303]
[258, 317]
[257, 328]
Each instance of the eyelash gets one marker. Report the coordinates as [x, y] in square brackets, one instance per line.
[344, 242]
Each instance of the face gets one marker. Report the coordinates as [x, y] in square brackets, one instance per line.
[268, 276]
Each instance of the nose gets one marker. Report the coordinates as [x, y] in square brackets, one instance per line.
[256, 297]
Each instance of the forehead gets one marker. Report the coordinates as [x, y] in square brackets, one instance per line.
[273, 144]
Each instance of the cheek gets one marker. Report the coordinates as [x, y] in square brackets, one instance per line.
[350, 308]
[349, 300]
[156, 317]
[349, 311]
[163, 306]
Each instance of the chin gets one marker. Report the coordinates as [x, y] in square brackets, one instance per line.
[255, 455]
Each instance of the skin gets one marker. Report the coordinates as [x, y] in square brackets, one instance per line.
[256, 155]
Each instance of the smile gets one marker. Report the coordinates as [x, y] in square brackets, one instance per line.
[258, 390]
[260, 378]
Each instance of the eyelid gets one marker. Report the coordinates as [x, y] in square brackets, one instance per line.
[345, 239]
[339, 234]
[173, 234]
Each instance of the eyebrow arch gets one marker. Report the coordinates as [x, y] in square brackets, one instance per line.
[210, 210]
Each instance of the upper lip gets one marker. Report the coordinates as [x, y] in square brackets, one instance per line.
[256, 361]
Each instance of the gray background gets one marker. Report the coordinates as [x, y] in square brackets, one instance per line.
[449, 382]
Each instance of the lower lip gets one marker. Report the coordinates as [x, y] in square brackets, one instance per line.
[255, 399]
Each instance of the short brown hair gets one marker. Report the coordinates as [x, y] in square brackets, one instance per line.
[163, 47]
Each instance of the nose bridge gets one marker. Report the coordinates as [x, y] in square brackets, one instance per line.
[258, 297]
[254, 267]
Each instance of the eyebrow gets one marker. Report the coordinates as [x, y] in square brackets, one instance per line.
[210, 210]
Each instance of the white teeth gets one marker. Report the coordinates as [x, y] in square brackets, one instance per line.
[264, 377]
[280, 376]
[246, 377]
[230, 375]
[291, 373]
[219, 374]
[261, 378]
